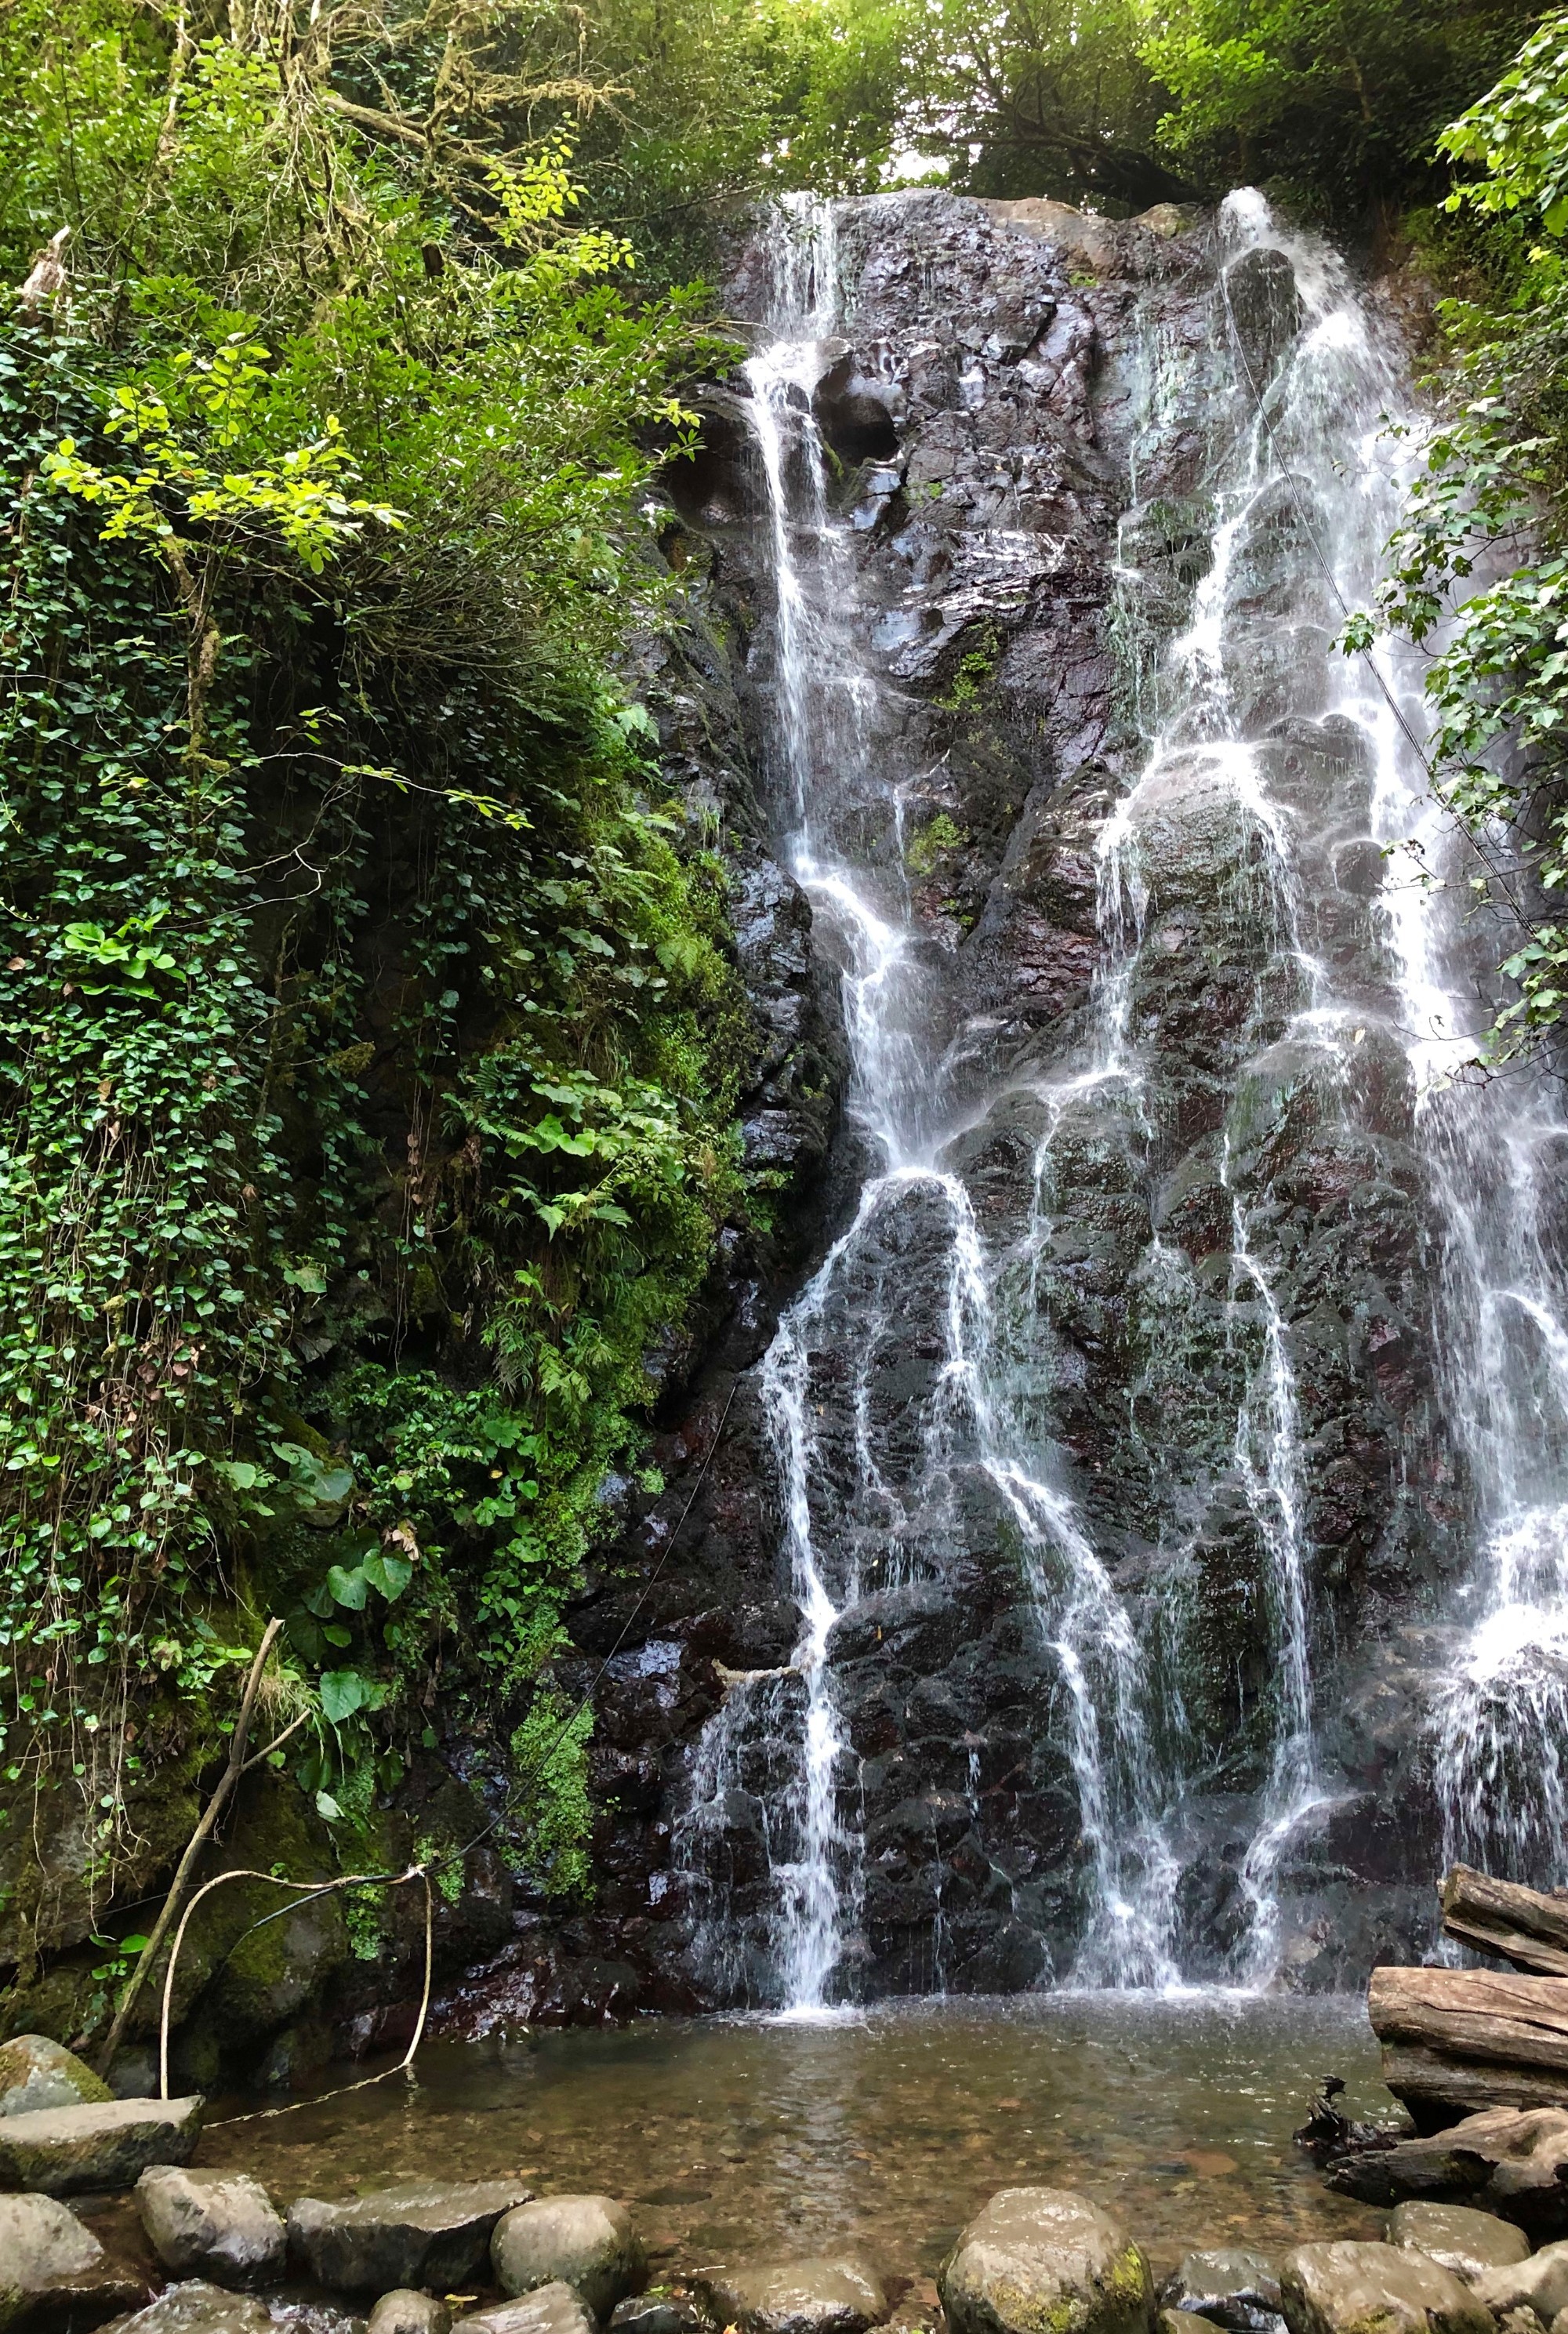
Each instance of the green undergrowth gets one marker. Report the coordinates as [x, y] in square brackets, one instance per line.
[371, 1034]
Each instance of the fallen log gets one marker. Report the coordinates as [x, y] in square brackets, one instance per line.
[1456, 2042]
[1527, 1926]
[1510, 2163]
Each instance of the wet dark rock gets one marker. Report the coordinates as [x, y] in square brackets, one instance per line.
[1457, 2238]
[68, 2151]
[1343, 2289]
[35, 2073]
[421, 2232]
[217, 2226]
[198, 2308]
[1510, 2161]
[657, 2311]
[1042, 2257]
[835, 2294]
[1230, 2285]
[55, 2277]
[587, 2242]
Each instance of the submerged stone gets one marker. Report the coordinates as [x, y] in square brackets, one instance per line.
[221, 2226]
[1350, 2289]
[36, 2072]
[54, 2275]
[836, 2294]
[1044, 2260]
[1457, 2238]
[65, 2151]
[587, 2242]
[420, 2232]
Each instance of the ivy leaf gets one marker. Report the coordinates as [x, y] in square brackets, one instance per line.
[349, 1588]
[342, 1692]
[390, 1574]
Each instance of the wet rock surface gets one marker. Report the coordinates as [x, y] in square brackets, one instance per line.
[1457, 2238]
[198, 2308]
[68, 2151]
[221, 2226]
[834, 2295]
[421, 2232]
[1232, 2287]
[37, 2073]
[587, 2242]
[407, 2311]
[1343, 2289]
[549, 2309]
[1041, 2257]
[54, 2275]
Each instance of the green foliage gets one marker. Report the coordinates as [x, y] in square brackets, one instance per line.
[932, 843]
[371, 1037]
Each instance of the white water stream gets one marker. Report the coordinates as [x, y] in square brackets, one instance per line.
[1302, 449]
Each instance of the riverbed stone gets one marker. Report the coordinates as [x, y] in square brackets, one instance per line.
[1045, 2260]
[54, 2275]
[587, 2242]
[1230, 2285]
[219, 2225]
[1539, 2282]
[196, 2307]
[554, 2308]
[407, 2311]
[657, 2311]
[835, 2293]
[420, 2232]
[36, 2072]
[109, 2144]
[1350, 2288]
[1457, 2237]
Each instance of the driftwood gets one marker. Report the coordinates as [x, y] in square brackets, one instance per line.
[1510, 2163]
[1456, 2042]
[1525, 1926]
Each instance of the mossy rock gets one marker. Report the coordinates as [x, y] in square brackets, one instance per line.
[1043, 2261]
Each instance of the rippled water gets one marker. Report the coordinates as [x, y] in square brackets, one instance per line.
[735, 2137]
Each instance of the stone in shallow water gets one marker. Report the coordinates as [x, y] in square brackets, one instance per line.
[1456, 2237]
[548, 2309]
[35, 2072]
[835, 2294]
[198, 2308]
[657, 2312]
[61, 2151]
[430, 2233]
[405, 2311]
[220, 2225]
[1348, 2288]
[1231, 2285]
[1539, 2283]
[1183, 2321]
[587, 2242]
[1039, 2259]
[54, 2272]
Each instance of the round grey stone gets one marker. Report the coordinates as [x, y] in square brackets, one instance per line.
[587, 2242]
[1038, 2256]
[220, 2225]
[405, 2311]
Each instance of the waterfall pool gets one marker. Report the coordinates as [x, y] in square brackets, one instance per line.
[739, 2136]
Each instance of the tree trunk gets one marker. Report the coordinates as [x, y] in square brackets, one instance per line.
[1458, 2040]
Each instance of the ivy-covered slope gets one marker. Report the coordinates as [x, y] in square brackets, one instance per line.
[373, 1031]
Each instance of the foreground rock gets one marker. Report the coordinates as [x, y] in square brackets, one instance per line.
[1509, 2161]
[422, 2232]
[587, 2242]
[220, 2225]
[199, 2309]
[548, 2309]
[657, 2313]
[1229, 2286]
[835, 2294]
[1040, 2259]
[54, 2272]
[1539, 2283]
[35, 2073]
[1348, 2288]
[63, 2150]
[407, 2312]
[1457, 2238]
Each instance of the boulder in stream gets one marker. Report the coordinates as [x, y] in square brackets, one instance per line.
[1044, 2260]
[36, 2072]
[54, 2272]
[198, 2308]
[1230, 2285]
[1457, 2237]
[1350, 2288]
[421, 2232]
[405, 2312]
[587, 2242]
[220, 2225]
[553, 2309]
[108, 2144]
[657, 2311]
[836, 2293]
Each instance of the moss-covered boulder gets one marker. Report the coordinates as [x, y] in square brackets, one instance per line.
[1369, 2288]
[1043, 2261]
[36, 2072]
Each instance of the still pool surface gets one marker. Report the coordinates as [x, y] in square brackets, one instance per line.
[734, 2136]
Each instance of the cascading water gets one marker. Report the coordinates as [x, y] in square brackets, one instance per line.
[916, 1394]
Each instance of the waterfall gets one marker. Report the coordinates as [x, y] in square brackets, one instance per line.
[1272, 815]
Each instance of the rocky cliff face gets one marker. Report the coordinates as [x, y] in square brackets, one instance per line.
[1201, 1314]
